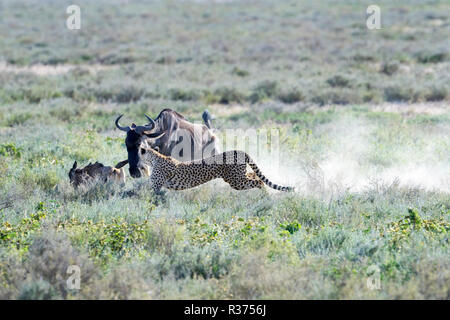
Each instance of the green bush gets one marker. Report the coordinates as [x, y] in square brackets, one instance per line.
[257, 96]
[339, 81]
[264, 90]
[211, 98]
[401, 94]
[31, 178]
[19, 235]
[389, 68]
[336, 97]
[128, 94]
[204, 262]
[240, 72]
[116, 58]
[267, 87]
[10, 150]
[36, 94]
[183, 95]
[105, 240]
[291, 96]
[436, 57]
[49, 258]
[47, 180]
[229, 95]
[291, 227]
[363, 58]
[18, 119]
[400, 231]
[436, 94]
[38, 290]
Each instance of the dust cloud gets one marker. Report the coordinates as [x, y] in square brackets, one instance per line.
[346, 162]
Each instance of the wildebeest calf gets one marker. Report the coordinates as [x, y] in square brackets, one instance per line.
[95, 171]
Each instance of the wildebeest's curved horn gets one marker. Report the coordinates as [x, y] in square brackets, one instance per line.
[156, 135]
[151, 124]
[126, 129]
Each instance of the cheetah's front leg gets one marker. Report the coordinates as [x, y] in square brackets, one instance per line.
[157, 181]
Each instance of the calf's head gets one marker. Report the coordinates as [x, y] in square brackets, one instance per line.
[77, 176]
[136, 136]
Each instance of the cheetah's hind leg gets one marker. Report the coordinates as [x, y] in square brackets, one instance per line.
[251, 176]
[245, 181]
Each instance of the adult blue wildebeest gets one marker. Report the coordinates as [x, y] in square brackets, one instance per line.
[171, 135]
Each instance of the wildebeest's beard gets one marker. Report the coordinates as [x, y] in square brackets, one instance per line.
[133, 142]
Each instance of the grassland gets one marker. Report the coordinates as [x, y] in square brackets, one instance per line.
[363, 118]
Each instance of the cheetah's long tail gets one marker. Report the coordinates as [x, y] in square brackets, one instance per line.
[258, 172]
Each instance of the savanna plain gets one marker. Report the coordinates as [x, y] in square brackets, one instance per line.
[363, 123]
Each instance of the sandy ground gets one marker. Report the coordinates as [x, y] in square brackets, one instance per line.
[46, 70]
[434, 108]
[430, 108]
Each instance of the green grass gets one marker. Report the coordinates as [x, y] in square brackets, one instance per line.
[372, 182]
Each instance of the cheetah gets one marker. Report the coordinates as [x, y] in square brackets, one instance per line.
[97, 170]
[231, 166]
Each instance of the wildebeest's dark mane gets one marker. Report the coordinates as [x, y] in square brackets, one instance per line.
[169, 110]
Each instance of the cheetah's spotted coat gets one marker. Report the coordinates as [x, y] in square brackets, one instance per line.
[231, 166]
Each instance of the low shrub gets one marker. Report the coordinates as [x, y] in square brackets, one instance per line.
[183, 95]
[128, 94]
[50, 256]
[389, 68]
[291, 96]
[38, 290]
[268, 88]
[18, 119]
[339, 81]
[401, 94]
[264, 90]
[10, 150]
[206, 262]
[336, 97]
[436, 94]
[240, 72]
[432, 57]
[19, 235]
[229, 95]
